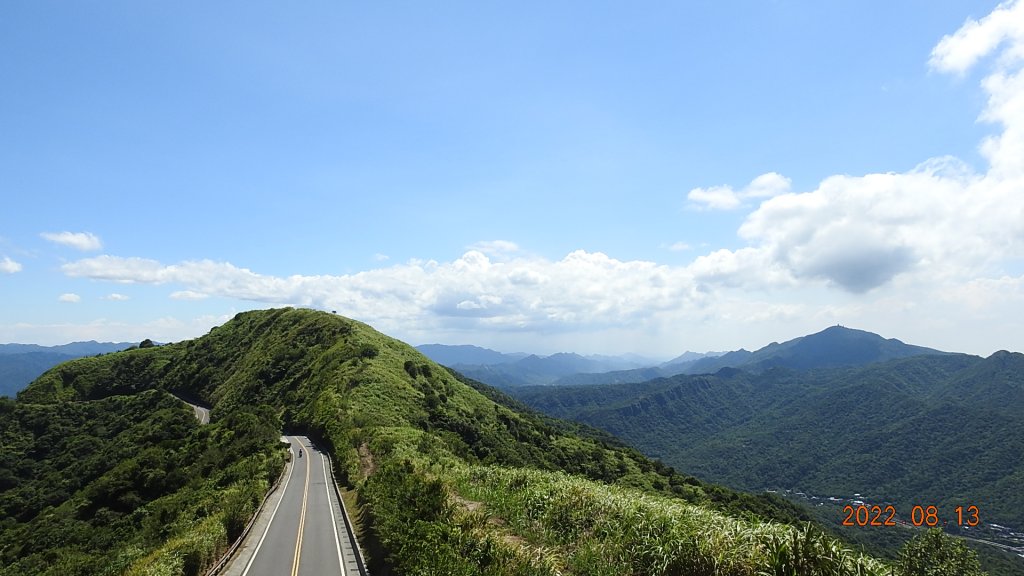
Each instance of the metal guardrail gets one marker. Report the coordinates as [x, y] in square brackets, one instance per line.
[348, 523]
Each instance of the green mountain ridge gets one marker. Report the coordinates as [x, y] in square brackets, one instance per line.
[452, 476]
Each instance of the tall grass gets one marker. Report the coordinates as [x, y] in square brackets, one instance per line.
[589, 528]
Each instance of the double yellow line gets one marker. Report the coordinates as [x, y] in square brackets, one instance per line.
[302, 517]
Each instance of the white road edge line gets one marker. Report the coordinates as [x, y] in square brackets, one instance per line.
[334, 521]
[272, 515]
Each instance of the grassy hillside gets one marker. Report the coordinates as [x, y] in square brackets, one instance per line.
[452, 477]
[940, 430]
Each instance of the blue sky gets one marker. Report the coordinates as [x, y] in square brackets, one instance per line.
[592, 177]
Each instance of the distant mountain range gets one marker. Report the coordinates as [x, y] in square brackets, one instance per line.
[508, 370]
[23, 363]
[447, 355]
[74, 349]
[832, 347]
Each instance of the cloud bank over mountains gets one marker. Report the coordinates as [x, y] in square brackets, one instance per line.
[943, 239]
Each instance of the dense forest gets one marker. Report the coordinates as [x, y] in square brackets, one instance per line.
[96, 487]
[105, 471]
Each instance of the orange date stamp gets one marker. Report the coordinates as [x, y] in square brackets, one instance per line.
[864, 515]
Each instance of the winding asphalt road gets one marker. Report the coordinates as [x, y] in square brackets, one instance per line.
[301, 531]
[202, 414]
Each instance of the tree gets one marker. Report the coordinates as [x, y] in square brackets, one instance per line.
[935, 554]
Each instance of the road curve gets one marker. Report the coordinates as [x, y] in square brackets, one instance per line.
[301, 531]
[202, 414]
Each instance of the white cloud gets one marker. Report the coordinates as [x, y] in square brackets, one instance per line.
[725, 198]
[679, 247]
[188, 295]
[976, 39]
[83, 241]
[69, 297]
[115, 297]
[748, 268]
[1000, 34]
[591, 301]
[860, 232]
[8, 266]
[767, 185]
[583, 288]
[381, 257]
[714, 198]
[495, 247]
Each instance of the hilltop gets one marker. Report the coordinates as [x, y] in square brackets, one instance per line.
[451, 475]
[832, 347]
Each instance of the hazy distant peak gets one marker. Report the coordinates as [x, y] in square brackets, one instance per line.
[465, 354]
[833, 346]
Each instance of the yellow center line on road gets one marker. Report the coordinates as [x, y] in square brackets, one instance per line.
[302, 520]
[283, 489]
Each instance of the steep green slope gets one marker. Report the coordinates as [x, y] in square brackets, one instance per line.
[452, 477]
[940, 430]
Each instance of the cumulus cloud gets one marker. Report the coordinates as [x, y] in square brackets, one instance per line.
[115, 297]
[83, 241]
[725, 198]
[8, 266]
[1001, 35]
[69, 297]
[679, 246]
[858, 233]
[941, 221]
[584, 288]
[976, 39]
